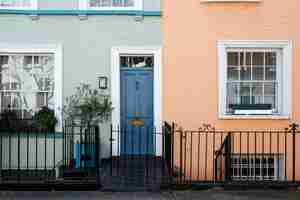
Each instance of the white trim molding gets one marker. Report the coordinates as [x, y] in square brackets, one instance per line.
[84, 5]
[33, 6]
[57, 51]
[115, 88]
[285, 83]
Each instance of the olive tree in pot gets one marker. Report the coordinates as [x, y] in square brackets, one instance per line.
[87, 106]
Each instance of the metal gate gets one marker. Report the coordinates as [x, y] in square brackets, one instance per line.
[31, 158]
[136, 171]
[81, 146]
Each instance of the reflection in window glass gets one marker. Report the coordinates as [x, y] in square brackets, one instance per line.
[111, 3]
[137, 61]
[26, 82]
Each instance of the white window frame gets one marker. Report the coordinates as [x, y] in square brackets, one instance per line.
[285, 94]
[56, 50]
[84, 5]
[33, 6]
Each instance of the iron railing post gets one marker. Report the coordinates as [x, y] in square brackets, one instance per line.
[172, 150]
[180, 168]
[97, 155]
[294, 128]
[1, 158]
[228, 158]
[111, 148]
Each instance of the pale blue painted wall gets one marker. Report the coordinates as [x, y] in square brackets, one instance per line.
[86, 44]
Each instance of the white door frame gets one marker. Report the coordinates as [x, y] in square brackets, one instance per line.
[157, 87]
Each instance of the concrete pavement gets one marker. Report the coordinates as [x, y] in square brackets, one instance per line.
[174, 195]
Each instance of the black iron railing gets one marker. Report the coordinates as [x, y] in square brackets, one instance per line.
[142, 156]
[210, 156]
[30, 155]
[223, 155]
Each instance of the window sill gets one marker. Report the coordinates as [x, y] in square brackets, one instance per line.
[231, 1]
[254, 117]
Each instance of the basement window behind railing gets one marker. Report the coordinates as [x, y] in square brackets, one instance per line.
[263, 167]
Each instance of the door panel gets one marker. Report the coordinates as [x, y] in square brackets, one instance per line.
[137, 111]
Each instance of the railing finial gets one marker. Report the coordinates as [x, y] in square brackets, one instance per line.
[207, 127]
[294, 127]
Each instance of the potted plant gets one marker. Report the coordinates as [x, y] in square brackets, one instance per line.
[87, 106]
[8, 120]
[45, 119]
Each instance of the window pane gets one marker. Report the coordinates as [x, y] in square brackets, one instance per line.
[258, 58]
[3, 68]
[41, 99]
[233, 66]
[245, 93]
[248, 58]
[258, 73]
[232, 94]
[271, 66]
[233, 59]
[270, 73]
[270, 94]
[246, 73]
[258, 66]
[5, 100]
[245, 63]
[28, 61]
[111, 3]
[137, 61]
[233, 73]
[271, 172]
[257, 92]
[15, 3]
[16, 101]
[271, 58]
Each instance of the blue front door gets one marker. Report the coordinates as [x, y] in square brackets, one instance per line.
[137, 111]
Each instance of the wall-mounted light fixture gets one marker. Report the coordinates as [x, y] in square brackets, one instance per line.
[103, 82]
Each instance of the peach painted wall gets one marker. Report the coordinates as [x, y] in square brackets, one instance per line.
[191, 31]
